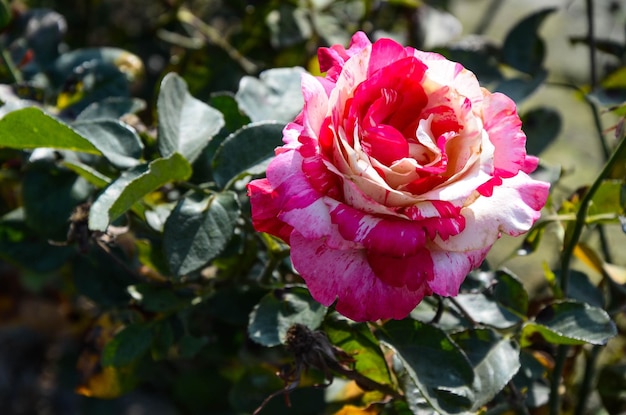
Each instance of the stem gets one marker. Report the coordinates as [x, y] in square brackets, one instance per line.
[16, 76]
[585, 387]
[488, 16]
[566, 258]
[592, 44]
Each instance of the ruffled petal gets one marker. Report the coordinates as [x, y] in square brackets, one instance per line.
[346, 277]
[265, 210]
[451, 268]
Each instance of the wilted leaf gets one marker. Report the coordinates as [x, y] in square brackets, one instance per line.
[570, 322]
[198, 229]
[274, 96]
[441, 371]
[186, 125]
[279, 310]
[248, 150]
[133, 185]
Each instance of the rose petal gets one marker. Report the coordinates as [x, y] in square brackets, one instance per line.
[265, 211]
[346, 277]
[451, 268]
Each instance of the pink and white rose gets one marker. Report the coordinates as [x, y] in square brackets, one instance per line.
[395, 179]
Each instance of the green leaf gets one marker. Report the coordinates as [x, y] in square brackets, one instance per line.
[510, 293]
[523, 49]
[542, 127]
[518, 89]
[281, 309]
[607, 198]
[247, 151]
[357, 340]
[5, 13]
[532, 377]
[88, 173]
[157, 299]
[32, 128]
[186, 125]
[276, 95]
[487, 311]
[128, 346]
[495, 361]
[581, 289]
[133, 185]
[49, 194]
[117, 141]
[570, 322]
[112, 108]
[233, 117]
[198, 229]
[441, 370]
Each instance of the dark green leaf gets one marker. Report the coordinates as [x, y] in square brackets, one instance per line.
[88, 60]
[281, 309]
[357, 340]
[581, 289]
[198, 229]
[542, 127]
[186, 125]
[479, 57]
[607, 198]
[510, 292]
[518, 89]
[46, 29]
[570, 322]
[523, 49]
[5, 13]
[495, 361]
[164, 338]
[276, 95]
[32, 128]
[233, 117]
[247, 151]
[441, 371]
[111, 108]
[127, 346]
[133, 185]
[611, 387]
[88, 173]
[117, 141]
[189, 346]
[50, 194]
[157, 299]
[485, 310]
[532, 378]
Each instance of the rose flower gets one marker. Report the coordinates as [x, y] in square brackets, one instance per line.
[395, 179]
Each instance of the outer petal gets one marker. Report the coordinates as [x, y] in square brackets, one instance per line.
[346, 277]
[451, 268]
[512, 209]
[265, 210]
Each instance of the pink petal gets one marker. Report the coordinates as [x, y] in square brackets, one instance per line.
[384, 53]
[346, 277]
[411, 272]
[451, 268]
[513, 208]
[265, 211]
[386, 236]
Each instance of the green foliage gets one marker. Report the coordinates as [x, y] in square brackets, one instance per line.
[123, 210]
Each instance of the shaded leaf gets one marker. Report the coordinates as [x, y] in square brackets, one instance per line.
[198, 229]
[5, 13]
[133, 185]
[510, 292]
[495, 361]
[441, 371]
[275, 95]
[519, 89]
[247, 151]
[29, 128]
[130, 344]
[186, 125]
[523, 49]
[117, 141]
[542, 127]
[532, 378]
[111, 108]
[88, 173]
[279, 310]
[570, 322]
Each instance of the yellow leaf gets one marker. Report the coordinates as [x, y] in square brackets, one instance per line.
[590, 258]
[355, 410]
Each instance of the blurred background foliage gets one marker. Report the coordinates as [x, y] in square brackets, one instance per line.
[137, 327]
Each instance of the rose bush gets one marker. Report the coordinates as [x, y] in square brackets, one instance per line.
[396, 178]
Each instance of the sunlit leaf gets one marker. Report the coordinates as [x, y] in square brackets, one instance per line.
[31, 128]
[186, 125]
[117, 141]
[274, 96]
[198, 229]
[570, 322]
[279, 310]
[133, 185]
[441, 371]
[485, 310]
